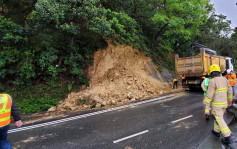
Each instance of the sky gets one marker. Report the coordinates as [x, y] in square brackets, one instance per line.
[227, 8]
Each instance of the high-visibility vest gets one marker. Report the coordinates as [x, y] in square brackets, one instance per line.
[232, 79]
[5, 109]
[206, 82]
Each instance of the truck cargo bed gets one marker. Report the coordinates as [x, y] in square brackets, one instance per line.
[197, 66]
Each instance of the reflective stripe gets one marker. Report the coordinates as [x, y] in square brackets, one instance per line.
[207, 100]
[219, 104]
[5, 118]
[5, 111]
[225, 130]
[3, 115]
[221, 90]
[218, 122]
[5, 101]
[230, 97]
[4, 123]
[207, 111]
[216, 127]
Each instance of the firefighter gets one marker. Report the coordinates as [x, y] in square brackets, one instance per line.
[7, 108]
[232, 78]
[204, 86]
[219, 97]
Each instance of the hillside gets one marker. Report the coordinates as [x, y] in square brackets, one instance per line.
[119, 75]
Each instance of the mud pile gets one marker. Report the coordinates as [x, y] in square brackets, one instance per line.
[119, 75]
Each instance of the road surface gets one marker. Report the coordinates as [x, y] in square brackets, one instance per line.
[171, 123]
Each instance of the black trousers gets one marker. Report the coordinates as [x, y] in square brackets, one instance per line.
[175, 85]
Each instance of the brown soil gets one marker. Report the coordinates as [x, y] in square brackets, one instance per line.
[119, 75]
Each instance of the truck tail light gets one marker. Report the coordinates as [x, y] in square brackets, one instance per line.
[203, 77]
[183, 78]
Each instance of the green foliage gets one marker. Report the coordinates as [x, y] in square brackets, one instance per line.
[17, 10]
[12, 38]
[215, 34]
[61, 36]
[166, 26]
[39, 97]
[93, 105]
[69, 86]
[33, 105]
[56, 39]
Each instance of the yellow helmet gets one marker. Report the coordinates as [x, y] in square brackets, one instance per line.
[214, 67]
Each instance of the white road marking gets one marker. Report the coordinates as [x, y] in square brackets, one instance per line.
[87, 115]
[131, 136]
[182, 119]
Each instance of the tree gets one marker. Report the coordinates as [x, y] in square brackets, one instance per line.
[215, 33]
[17, 10]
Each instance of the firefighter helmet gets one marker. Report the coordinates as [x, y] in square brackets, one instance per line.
[214, 67]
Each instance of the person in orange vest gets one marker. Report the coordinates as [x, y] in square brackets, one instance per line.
[7, 109]
[232, 77]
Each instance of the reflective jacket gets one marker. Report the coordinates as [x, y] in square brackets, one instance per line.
[232, 79]
[219, 93]
[7, 108]
[204, 85]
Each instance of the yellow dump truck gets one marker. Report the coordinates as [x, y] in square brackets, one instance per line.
[194, 69]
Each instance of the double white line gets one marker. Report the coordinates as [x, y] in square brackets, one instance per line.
[86, 115]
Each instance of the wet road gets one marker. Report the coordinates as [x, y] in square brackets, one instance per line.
[171, 123]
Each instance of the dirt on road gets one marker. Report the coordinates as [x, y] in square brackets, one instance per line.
[119, 75]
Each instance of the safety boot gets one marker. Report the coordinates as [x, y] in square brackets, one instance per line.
[227, 140]
[207, 117]
[215, 133]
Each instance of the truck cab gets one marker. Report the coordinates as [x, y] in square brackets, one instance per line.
[229, 65]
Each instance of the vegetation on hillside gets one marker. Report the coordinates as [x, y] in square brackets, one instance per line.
[46, 45]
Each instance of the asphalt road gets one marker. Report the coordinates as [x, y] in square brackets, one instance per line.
[172, 123]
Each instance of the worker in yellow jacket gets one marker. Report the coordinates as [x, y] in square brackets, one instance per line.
[219, 97]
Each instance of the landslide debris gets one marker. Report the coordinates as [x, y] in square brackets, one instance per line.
[119, 75]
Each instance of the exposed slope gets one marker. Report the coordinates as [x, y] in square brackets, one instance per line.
[119, 75]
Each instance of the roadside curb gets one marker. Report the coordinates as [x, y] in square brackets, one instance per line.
[42, 117]
[52, 122]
